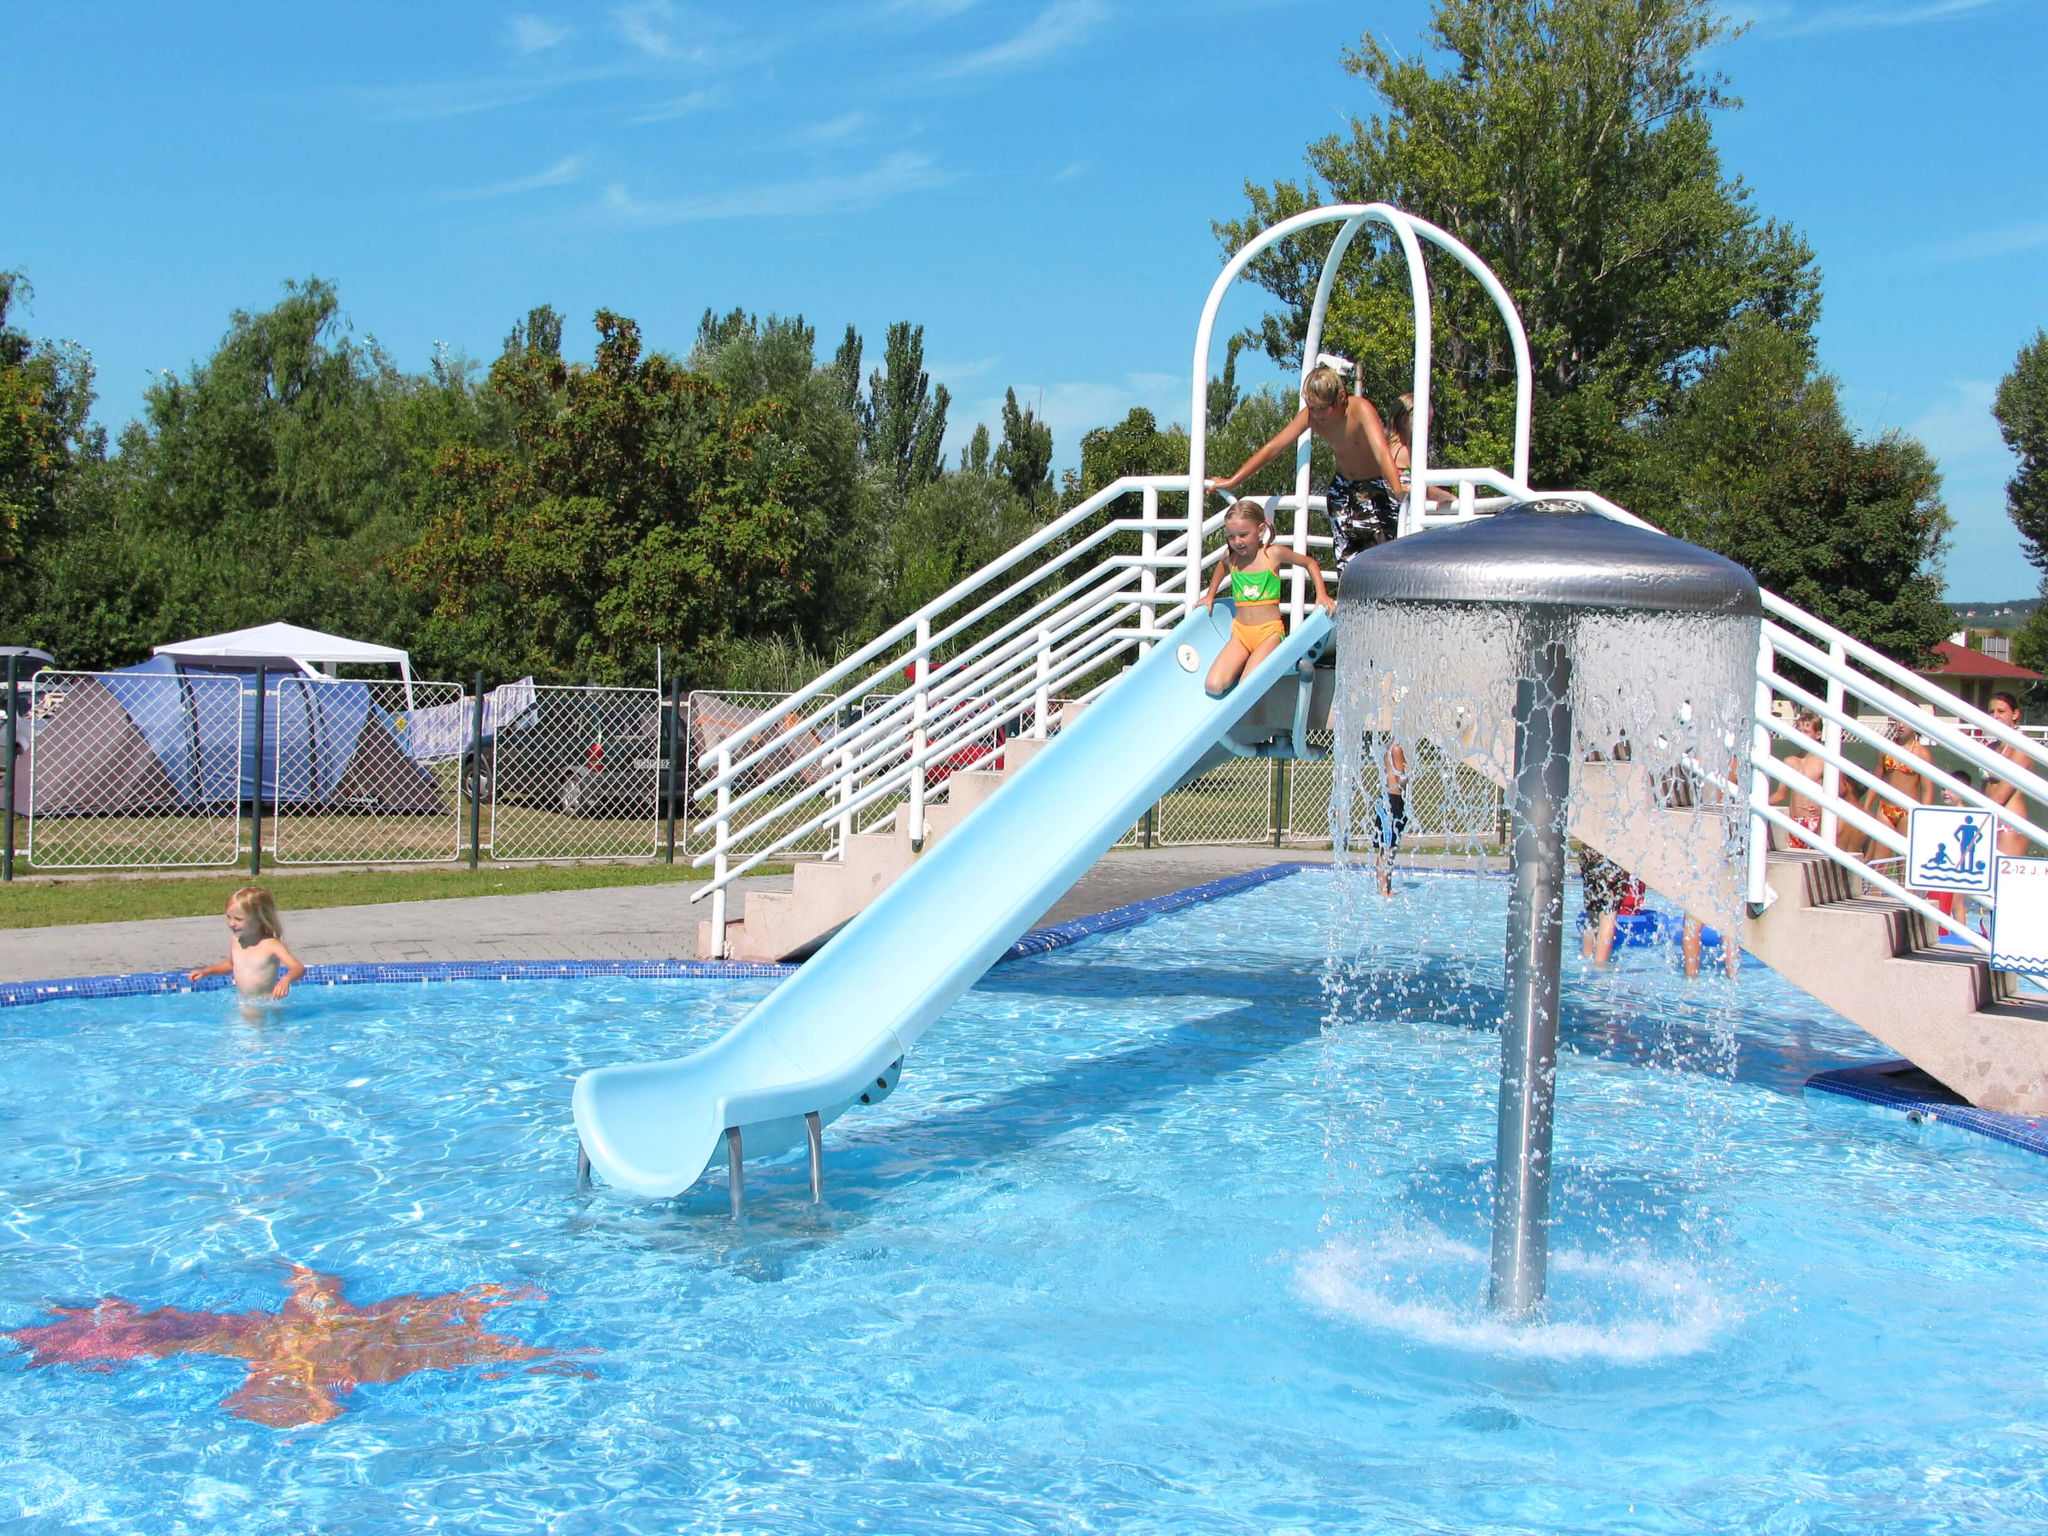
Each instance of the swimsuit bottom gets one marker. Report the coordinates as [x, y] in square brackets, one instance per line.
[1811, 821]
[1391, 822]
[1252, 636]
[1363, 513]
[1894, 815]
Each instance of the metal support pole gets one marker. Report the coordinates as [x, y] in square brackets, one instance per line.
[672, 756]
[7, 849]
[721, 829]
[1759, 848]
[814, 1132]
[476, 774]
[735, 1181]
[256, 792]
[1528, 1056]
[919, 710]
[1278, 806]
[1148, 573]
[1150, 834]
[582, 1166]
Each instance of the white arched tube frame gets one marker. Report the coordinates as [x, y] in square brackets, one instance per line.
[1410, 231]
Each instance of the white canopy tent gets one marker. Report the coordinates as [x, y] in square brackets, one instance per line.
[290, 645]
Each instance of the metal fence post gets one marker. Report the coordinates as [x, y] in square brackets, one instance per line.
[1279, 806]
[476, 773]
[13, 679]
[256, 786]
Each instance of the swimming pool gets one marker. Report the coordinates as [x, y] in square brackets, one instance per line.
[1183, 1229]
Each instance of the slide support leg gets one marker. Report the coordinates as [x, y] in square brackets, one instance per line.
[734, 1179]
[582, 1166]
[814, 1128]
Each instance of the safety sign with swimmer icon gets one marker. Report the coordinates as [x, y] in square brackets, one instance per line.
[1949, 849]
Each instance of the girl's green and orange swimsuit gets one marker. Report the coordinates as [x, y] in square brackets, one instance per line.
[1255, 586]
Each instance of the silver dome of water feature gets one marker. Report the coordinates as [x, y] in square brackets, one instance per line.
[1593, 640]
[1553, 551]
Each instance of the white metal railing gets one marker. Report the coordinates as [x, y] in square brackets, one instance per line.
[1015, 634]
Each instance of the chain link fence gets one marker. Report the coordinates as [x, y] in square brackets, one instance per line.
[577, 775]
[126, 768]
[350, 782]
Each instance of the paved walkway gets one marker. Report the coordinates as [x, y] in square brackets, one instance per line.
[639, 922]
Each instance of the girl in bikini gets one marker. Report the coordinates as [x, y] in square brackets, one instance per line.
[1254, 568]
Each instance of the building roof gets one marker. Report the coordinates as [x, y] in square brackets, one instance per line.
[292, 645]
[1960, 661]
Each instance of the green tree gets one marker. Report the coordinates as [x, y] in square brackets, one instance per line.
[948, 529]
[1024, 457]
[636, 506]
[1568, 143]
[974, 458]
[1757, 463]
[2021, 409]
[46, 397]
[904, 417]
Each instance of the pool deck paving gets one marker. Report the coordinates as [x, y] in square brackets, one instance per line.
[643, 922]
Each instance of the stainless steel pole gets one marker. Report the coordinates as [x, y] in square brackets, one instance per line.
[13, 674]
[1528, 1047]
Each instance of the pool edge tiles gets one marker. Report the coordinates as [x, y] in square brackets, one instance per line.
[1904, 1087]
[1040, 941]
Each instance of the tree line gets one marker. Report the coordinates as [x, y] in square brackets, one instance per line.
[753, 505]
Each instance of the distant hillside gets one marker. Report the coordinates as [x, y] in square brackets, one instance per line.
[1999, 615]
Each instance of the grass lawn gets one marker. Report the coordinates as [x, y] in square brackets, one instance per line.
[91, 899]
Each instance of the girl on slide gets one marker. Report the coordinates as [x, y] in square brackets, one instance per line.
[1254, 568]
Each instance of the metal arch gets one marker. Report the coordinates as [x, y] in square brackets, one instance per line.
[1407, 227]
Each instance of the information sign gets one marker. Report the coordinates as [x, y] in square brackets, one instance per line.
[1949, 848]
[2019, 924]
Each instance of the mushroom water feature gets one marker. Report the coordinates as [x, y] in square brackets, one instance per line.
[1514, 648]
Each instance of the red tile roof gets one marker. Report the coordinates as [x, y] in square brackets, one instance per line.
[1957, 661]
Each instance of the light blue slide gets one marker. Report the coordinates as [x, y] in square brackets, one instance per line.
[836, 1032]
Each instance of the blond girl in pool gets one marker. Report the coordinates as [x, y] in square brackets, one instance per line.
[257, 959]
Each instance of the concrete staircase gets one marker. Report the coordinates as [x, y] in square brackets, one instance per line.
[1872, 960]
[782, 925]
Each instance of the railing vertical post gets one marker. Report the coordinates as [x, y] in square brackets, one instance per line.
[843, 827]
[919, 707]
[256, 790]
[672, 757]
[1831, 746]
[7, 848]
[720, 829]
[1759, 781]
[476, 773]
[1041, 705]
[1197, 501]
[1148, 578]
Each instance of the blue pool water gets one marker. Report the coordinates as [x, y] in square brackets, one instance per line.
[1181, 1230]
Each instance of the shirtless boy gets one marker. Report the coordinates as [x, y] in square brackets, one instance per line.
[1363, 495]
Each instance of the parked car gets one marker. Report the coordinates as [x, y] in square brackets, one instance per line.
[596, 754]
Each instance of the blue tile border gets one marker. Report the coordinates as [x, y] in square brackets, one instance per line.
[1890, 1085]
[1040, 941]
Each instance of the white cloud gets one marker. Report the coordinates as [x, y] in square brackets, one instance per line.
[1055, 28]
[837, 131]
[938, 9]
[1074, 408]
[1961, 426]
[648, 25]
[1994, 242]
[535, 34]
[952, 373]
[564, 171]
[898, 174]
[1889, 13]
[675, 107]
[1068, 173]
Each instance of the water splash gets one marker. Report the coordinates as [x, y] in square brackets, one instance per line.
[1429, 1288]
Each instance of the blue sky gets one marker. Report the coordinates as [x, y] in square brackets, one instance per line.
[1033, 182]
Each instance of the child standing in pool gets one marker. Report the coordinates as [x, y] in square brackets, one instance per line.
[257, 959]
[1254, 568]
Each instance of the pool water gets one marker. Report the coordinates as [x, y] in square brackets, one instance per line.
[1183, 1229]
